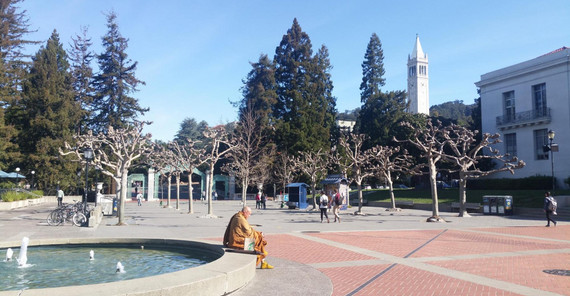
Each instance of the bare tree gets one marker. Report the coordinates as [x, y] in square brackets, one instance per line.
[249, 147]
[114, 152]
[284, 168]
[430, 142]
[361, 162]
[262, 169]
[314, 165]
[218, 147]
[158, 160]
[188, 156]
[466, 154]
[390, 160]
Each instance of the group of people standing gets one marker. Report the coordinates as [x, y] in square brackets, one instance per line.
[260, 200]
[325, 204]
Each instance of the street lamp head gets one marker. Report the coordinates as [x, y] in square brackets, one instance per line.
[88, 153]
[17, 170]
[551, 135]
[33, 172]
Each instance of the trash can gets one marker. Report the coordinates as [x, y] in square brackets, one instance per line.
[508, 205]
[486, 206]
[497, 205]
[115, 204]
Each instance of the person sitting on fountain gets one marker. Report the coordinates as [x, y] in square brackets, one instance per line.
[239, 229]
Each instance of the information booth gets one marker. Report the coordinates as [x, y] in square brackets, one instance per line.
[297, 195]
[340, 183]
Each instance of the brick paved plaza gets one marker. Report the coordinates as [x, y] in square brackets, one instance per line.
[382, 253]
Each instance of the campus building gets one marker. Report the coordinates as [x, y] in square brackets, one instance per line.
[523, 102]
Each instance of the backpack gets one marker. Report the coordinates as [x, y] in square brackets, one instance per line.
[324, 203]
[552, 204]
[337, 200]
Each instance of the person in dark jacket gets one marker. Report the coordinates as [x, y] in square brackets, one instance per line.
[547, 201]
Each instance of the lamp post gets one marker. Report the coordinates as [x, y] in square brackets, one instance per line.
[88, 155]
[551, 135]
[33, 173]
[17, 177]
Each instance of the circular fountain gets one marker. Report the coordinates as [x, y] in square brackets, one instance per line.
[147, 267]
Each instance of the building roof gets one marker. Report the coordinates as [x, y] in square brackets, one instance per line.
[418, 51]
[297, 185]
[334, 179]
[555, 51]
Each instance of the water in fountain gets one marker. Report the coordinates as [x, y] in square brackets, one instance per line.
[91, 255]
[23, 256]
[9, 254]
[120, 268]
[72, 267]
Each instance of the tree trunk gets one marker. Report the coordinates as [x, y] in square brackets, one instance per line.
[462, 195]
[123, 193]
[169, 179]
[433, 184]
[190, 195]
[391, 186]
[360, 200]
[244, 192]
[313, 188]
[178, 191]
[210, 182]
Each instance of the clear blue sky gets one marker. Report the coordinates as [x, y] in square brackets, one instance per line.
[193, 55]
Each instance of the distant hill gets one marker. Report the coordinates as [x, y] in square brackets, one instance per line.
[455, 110]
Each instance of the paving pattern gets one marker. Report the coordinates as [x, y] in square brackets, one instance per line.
[471, 261]
[381, 253]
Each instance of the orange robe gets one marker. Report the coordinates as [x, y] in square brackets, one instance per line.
[236, 232]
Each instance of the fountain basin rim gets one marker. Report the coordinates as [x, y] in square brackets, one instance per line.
[226, 274]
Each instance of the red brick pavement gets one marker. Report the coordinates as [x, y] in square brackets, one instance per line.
[398, 279]
[305, 251]
[522, 270]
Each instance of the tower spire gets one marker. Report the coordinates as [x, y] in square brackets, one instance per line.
[418, 51]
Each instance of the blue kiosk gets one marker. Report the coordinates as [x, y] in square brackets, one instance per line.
[297, 195]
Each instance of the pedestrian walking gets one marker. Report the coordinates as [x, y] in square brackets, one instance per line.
[263, 201]
[323, 206]
[139, 198]
[549, 208]
[258, 200]
[337, 203]
[60, 196]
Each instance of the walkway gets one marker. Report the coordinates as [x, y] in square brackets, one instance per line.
[382, 253]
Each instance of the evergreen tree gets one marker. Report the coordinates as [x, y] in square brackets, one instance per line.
[13, 28]
[192, 130]
[259, 94]
[115, 83]
[47, 114]
[82, 74]
[372, 70]
[380, 117]
[301, 123]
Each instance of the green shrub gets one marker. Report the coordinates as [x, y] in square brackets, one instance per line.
[9, 196]
[528, 183]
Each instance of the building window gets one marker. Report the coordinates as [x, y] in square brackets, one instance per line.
[412, 71]
[539, 98]
[509, 103]
[511, 144]
[540, 139]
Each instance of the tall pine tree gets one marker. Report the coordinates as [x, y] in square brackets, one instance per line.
[301, 120]
[82, 73]
[372, 70]
[13, 67]
[47, 115]
[381, 111]
[259, 93]
[115, 83]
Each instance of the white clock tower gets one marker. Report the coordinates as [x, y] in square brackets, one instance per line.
[418, 80]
